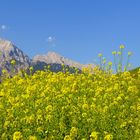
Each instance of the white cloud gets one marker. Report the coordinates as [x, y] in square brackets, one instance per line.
[3, 27]
[51, 40]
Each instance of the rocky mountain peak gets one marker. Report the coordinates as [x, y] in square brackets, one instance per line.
[8, 52]
[55, 58]
[53, 54]
[50, 57]
[6, 45]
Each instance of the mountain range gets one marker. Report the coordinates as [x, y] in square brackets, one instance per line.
[56, 62]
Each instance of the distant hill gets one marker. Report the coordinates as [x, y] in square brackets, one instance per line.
[134, 72]
[56, 61]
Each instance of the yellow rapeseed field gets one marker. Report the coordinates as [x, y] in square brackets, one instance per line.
[64, 106]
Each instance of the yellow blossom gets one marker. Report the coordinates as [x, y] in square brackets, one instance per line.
[17, 136]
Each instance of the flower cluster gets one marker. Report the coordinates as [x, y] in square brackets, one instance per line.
[53, 106]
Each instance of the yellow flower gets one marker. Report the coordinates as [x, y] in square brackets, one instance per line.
[31, 68]
[4, 136]
[129, 53]
[123, 124]
[100, 55]
[110, 63]
[73, 132]
[114, 52]
[122, 47]
[84, 115]
[119, 98]
[17, 136]
[39, 129]
[119, 53]
[133, 89]
[105, 109]
[85, 106]
[108, 137]
[32, 138]
[6, 124]
[4, 71]
[67, 137]
[49, 108]
[138, 107]
[94, 135]
[49, 118]
[13, 62]
[116, 86]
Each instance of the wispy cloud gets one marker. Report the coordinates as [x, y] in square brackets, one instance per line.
[3, 27]
[51, 40]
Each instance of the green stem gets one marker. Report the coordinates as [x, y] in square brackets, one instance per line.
[127, 62]
[120, 61]
[121, 57]
[101, 62]
[115, 63]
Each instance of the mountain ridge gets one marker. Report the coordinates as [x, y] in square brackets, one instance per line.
[10, 52]
[53, 57]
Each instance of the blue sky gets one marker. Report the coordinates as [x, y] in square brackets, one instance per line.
[77, 29]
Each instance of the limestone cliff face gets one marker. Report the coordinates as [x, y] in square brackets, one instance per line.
[9, 52]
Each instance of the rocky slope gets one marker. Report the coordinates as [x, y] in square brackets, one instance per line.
[9, 52]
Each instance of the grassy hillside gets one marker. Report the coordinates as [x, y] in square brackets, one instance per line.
[134, 71]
